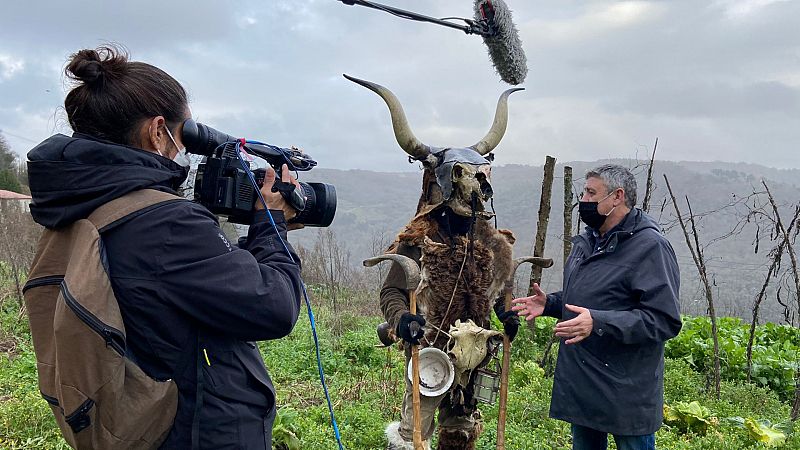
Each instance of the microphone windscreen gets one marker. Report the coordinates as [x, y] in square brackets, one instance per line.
[505, 47]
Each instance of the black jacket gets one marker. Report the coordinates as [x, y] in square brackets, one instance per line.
[180, 284]
[613, 381]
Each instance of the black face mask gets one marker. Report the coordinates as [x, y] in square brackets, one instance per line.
[589, 215]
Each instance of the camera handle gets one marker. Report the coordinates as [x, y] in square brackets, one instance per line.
[291, 193]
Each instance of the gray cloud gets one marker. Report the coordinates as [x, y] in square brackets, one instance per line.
[715, 80]
[712, 100]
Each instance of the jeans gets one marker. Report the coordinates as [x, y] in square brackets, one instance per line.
[584, 438]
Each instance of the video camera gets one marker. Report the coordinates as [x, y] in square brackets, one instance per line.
[224, 187]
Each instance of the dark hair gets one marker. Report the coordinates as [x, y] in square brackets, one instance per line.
[114, 95]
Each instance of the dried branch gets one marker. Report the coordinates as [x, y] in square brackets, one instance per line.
[649, 186]
[697, 256]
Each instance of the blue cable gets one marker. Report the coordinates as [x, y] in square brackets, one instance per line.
[250, 175]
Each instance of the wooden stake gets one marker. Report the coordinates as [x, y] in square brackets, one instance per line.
[568, 206]
[544, 217]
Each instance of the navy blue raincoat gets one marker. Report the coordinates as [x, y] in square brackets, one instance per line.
[613, 381]
[184, 291]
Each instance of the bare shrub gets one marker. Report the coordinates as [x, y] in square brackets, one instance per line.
[18, 237]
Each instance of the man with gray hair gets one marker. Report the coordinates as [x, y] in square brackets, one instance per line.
[618, 305]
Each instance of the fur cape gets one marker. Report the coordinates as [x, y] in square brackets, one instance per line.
[484, 266]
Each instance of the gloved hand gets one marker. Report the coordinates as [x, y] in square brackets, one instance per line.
[510, 320]
[410, 328]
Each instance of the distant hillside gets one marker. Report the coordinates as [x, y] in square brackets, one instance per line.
[374, 203]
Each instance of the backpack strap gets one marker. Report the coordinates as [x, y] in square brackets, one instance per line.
[110, 213]
[120, 210]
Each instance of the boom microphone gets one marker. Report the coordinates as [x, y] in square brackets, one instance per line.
[505, 47]
[492, 22]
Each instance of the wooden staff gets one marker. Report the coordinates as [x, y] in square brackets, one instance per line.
[509, 290]
[415, 380]
[501, 416]
[411, 270]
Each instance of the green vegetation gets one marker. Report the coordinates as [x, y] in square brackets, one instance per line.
[366, 387]
[9, 181]
[775, 351]
[12, 171]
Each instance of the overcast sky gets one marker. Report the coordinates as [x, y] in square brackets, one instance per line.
[713, 80]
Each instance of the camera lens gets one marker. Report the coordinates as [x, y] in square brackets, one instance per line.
[320, 205]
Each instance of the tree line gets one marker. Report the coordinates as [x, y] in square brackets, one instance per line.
[13, 171]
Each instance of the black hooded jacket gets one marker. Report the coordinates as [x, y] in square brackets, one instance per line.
[187, 296]
[613, 381]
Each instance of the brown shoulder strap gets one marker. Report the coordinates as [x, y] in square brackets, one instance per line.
[128, 204]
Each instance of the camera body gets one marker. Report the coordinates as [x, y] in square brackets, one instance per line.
[224, 187]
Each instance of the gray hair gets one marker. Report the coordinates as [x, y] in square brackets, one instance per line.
[616, 177]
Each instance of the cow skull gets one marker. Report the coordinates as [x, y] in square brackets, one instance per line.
[468, 346]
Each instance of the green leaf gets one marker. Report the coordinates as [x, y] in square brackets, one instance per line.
[764, 432]
[690, 417]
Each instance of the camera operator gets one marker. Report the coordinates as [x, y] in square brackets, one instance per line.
[187, 296]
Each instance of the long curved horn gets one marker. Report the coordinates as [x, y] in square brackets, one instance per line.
[402, 131]
[409, 266]
[495, 134]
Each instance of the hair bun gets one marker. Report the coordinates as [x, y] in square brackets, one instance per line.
[94, 66]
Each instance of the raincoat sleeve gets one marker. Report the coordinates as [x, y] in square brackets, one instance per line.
[655, 285]
[394, 295]
[249, 293]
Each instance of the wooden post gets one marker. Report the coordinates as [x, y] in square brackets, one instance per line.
[568, 205]
[544, 217]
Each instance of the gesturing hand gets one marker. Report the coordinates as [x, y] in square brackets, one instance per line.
[530, 307]
[577, 328]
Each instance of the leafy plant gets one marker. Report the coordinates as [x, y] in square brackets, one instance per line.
[774, 352]
[690, 417]
[763, 431]
[284, 430]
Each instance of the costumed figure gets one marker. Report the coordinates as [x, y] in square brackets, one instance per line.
[464, 265]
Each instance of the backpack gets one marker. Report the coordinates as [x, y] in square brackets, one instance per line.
[100, 398]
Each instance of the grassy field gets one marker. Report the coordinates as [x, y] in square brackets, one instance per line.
[366, 387]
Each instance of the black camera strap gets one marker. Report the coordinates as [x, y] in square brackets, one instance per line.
[291, 193]
[284, 188]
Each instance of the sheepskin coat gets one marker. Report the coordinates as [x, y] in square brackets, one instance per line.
[487, 265]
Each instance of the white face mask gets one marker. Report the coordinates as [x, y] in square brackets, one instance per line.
[181, 158]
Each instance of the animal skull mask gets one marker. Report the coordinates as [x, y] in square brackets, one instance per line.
[462, 174]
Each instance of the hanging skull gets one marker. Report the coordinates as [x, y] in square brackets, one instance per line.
[468, 347]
